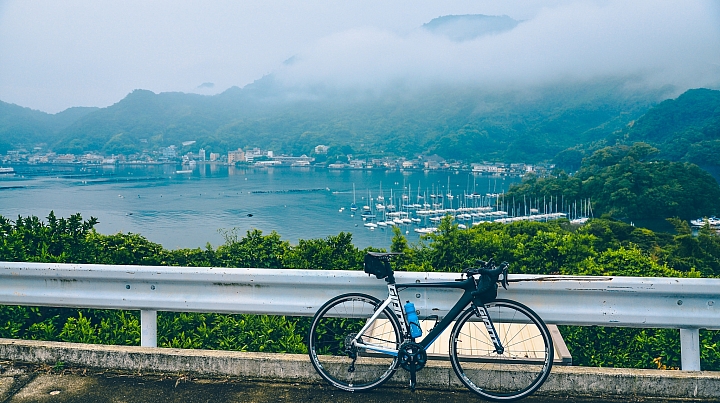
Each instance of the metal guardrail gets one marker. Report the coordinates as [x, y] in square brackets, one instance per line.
[649, 302]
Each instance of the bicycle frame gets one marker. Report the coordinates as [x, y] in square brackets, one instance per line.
[468, 285]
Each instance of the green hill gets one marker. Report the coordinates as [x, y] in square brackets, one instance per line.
[26, 128]
[684, 129]
[564, 123]
[628, 183]
[470, 124]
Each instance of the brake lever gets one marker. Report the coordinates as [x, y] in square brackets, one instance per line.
[504, 281]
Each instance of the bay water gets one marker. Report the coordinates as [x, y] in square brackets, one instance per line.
[188, 207]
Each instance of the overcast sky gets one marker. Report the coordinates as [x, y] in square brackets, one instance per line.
[58, 54]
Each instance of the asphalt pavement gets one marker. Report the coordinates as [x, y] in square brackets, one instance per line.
[42, 383]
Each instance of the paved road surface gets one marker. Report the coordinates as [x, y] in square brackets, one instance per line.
[44, 384]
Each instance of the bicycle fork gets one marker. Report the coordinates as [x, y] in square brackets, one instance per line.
[482, 312]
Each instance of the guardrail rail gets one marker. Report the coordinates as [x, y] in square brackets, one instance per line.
[647, 302]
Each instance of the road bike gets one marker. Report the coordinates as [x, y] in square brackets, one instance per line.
[500, 349]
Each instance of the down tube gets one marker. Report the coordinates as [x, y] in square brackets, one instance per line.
[447, 320]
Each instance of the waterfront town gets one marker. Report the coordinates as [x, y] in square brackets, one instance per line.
[256, 157]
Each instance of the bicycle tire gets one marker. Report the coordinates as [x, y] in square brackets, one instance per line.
[333, 323]
[520, 370]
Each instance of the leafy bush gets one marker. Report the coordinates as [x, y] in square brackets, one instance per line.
[602, 247]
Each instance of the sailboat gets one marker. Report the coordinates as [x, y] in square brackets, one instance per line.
[353, 206]
[449, 194]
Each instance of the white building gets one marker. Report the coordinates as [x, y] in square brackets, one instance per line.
[169, 152]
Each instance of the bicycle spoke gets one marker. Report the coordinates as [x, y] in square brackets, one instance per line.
[333, 330]
[519, 370]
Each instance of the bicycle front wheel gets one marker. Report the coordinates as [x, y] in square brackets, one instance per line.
[339, 361]
[520, 369]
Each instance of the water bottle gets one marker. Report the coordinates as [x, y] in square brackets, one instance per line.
[413, 319]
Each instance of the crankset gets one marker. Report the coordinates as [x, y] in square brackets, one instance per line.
[413, 358]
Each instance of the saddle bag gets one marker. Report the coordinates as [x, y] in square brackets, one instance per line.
[377, 266]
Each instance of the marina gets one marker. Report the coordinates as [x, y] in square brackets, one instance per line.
[189, 207]
[192, 209]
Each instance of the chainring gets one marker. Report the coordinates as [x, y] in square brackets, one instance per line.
[412, 356]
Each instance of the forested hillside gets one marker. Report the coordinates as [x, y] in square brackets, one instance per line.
[685, 129]
[630, 183]
[24, 127]
[462, 123]
[559, 123]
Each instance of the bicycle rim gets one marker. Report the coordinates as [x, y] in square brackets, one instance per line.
[337, 322]
[522, 367]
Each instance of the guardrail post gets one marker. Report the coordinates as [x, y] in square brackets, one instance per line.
[148, 328]
[690, 349]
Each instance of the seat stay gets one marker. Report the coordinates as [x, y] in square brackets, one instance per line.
[392, 300]
[371, 320]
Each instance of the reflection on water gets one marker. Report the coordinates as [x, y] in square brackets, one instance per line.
[186, 210]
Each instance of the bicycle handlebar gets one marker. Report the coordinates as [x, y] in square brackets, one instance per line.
[496, 273]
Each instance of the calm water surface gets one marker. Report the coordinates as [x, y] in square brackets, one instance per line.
[189, 210]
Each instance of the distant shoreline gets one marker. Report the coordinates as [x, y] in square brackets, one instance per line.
[322, 167]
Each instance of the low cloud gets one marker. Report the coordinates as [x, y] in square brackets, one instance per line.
[660, 44]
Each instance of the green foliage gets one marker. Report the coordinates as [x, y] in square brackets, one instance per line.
[622, 183]
[254, 250]
[263, 333]
[124, 249]
[190, 257]
[601, 247]
[13, 319]
[60, 240]
[680, 128]
[80, 330]
[624, 348]
[331, 253]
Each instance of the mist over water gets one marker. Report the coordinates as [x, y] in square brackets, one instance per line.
[188, 210]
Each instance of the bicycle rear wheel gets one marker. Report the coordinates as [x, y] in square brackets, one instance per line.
[522, 367]
[346, 366]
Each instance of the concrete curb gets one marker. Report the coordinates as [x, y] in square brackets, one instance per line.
[571, 381]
